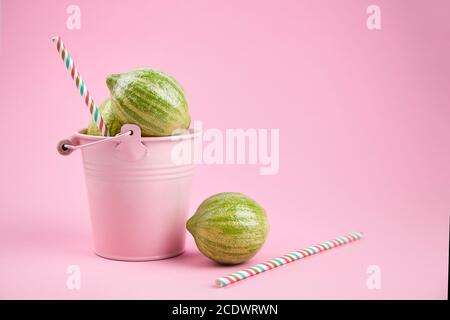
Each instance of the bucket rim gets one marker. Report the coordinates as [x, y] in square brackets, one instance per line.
[192, 133]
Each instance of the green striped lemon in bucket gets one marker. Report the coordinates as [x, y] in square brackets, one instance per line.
[229, 227]
[111, 120]
[150, 99]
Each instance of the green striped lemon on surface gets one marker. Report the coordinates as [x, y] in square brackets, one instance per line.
[150, 99]
[112, 122]
[229, 227]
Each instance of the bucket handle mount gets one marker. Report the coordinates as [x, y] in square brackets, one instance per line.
[129, 143]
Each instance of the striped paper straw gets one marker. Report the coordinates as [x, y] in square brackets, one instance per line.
[81, 85]
[293, 256]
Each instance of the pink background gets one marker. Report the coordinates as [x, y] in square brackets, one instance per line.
[364, 141]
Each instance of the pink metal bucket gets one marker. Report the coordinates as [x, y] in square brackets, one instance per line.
[138, 196]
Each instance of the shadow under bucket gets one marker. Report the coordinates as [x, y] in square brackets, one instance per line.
[138, 195]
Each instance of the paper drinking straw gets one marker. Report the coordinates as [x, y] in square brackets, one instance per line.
[81, 85]
[290, 257]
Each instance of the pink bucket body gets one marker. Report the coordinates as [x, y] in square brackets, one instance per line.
[138, 206]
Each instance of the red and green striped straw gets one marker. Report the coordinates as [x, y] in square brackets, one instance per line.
[81, 85]
[290, 257]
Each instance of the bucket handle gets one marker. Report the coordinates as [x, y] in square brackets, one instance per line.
[129, 147]
[67, 146]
